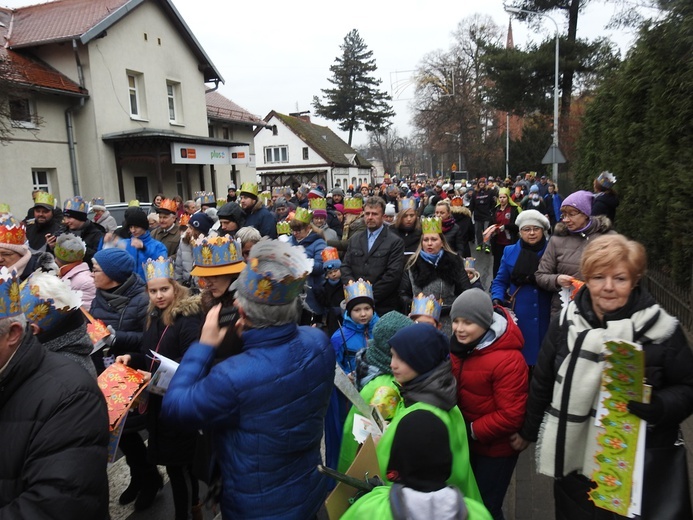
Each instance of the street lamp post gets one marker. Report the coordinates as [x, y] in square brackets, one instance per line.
[517, 10]
[459, 150]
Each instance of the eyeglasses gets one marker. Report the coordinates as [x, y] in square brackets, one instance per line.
[531, 229]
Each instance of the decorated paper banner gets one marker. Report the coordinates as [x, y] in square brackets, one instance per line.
[619, 482]
[120, 385]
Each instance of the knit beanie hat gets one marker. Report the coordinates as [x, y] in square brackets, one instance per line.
[474, 305]
[421, 346]
[137, 218]
[420, 457]
[338, 191]
[116, 263]
[378, 351]
[339, 207]
[534, 188]
[531, 217]
[201, 222]
[580, 200]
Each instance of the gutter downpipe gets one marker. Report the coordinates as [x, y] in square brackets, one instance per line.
[69, 124]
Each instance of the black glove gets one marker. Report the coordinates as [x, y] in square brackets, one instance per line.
[498, 302]
[652, 412]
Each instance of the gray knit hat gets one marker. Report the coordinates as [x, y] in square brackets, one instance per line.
[474, 305]
[378, 351]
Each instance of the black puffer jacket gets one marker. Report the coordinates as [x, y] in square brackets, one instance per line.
[54, 435]
[668, 368]
[411, 238]
[125, 309]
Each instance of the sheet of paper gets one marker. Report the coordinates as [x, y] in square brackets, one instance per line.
[163, 375]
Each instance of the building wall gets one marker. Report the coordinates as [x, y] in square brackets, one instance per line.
[237, 134]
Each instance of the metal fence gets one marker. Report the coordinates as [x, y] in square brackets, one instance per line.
[675, 300]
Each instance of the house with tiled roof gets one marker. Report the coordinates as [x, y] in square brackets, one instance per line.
[109, 99]
[297, 151]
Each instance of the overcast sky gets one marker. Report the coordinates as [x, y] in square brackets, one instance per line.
[275, 55]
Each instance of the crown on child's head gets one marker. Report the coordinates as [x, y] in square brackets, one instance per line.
[159, 268]
[423, 305]
[358, 289]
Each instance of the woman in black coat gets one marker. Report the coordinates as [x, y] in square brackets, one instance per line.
[173, 322]
[565, 388]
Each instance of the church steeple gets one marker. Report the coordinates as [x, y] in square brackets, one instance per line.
[509, 44]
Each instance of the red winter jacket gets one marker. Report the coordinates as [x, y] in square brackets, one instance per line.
[492, 386]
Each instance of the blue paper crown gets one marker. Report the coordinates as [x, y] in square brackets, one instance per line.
[159, 268]
[208, 198]
[469, 262]
[76, 204]
[216, 252]
[264, 288]
[98, 201]
[10, 301]
[42, 311]
[426, 306]
[407, 203]
[358, 289]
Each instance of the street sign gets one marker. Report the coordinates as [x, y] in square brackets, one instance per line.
[553, 156]
[453, 167]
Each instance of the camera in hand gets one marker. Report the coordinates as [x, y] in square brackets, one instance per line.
[228, 316]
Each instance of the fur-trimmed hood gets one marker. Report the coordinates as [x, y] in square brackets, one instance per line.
[461, 209]
[188, 306]
[599, 225]
[449, 269]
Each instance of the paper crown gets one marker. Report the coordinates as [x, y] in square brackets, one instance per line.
[423, 305]
[303, 215]
[407, 203]
[12, 231]
[10, 301]
[329, 253]
[215, 251]
[606, 180]
[358, 289]
[278, 191]
[98, 201]
[469, 262]
[77, 204]
[457, 201]
[69, 248]
[220, 202]
[184, 219]
[283, 228]
[42, 309]
[159, 268]
[431, 225]
[207, 198]
[353, 205]
[319, 203]
[249, 188]
[46, 198]
[4, 208]
[134, 203]
[267, 287]
[168, 205]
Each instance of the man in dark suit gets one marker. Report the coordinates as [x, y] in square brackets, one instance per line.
[376, 255]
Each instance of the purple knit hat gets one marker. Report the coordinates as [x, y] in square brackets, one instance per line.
[581, 201]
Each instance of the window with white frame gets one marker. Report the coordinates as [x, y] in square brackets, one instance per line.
[137, 100]
[276, 154]
[173, 95]
[41, 179]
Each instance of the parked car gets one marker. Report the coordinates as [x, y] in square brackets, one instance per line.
[117, 210]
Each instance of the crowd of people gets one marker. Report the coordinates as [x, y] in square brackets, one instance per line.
[261, 297]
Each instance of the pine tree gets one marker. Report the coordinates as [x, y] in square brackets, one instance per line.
[355, 101]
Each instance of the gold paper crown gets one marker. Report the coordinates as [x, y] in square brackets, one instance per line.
[134, 203]
[168, 205]
[4, 208]
[184, 219]
[159, 268]
[43, 197]
[220, 202]
[353, 203]
[249, 188]
[319, 203]
[283, 228]
[69, 248]
[303, 215]
[431, 225]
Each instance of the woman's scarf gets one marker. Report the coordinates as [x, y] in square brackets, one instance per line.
[568, 435]
[432, 258]
[527, 263]
[448, 223]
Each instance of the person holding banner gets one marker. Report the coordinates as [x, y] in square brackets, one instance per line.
[565, 388]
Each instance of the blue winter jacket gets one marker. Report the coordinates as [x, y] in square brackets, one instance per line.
[262, 219]
[313, 244]
[266, 408]
[152, 249]
[349, 339]
[532, 304]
